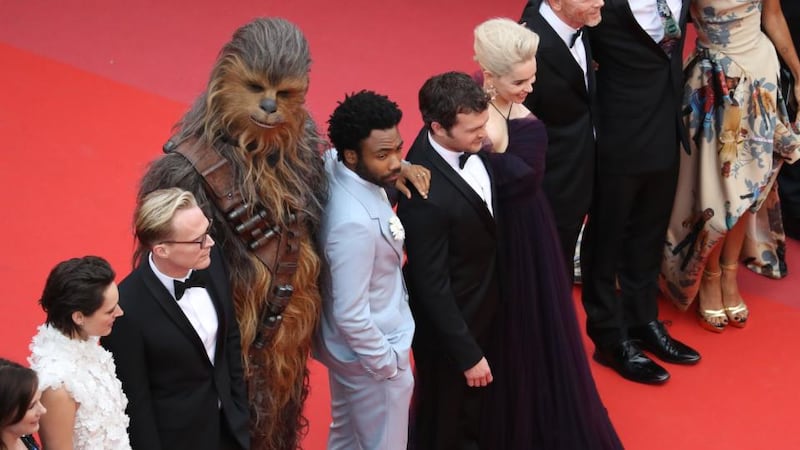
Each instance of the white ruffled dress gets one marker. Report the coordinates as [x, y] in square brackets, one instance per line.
[87, 371]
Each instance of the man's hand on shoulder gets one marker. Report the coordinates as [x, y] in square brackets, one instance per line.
[479, 375]
[419, 176]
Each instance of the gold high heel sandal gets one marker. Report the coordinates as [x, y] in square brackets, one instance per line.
[708, 317]
[737, 315]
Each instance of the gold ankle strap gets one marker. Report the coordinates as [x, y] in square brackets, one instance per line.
[733, 310]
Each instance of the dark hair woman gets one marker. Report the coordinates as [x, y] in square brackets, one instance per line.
[78, 377]
[20, 406]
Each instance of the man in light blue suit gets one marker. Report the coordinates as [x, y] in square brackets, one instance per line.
[366, 329]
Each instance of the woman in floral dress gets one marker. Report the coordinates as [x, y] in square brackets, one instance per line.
[739, 136]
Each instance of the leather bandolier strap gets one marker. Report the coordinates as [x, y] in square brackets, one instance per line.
[276, 248]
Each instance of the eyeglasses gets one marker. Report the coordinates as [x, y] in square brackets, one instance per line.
[202, 241]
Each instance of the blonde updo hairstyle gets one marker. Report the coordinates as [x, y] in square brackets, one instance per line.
[501, 43]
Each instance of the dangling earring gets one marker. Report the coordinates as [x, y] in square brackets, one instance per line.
[490, 91]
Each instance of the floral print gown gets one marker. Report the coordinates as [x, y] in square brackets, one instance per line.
[739, 137]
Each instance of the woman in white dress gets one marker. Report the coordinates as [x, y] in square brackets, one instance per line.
[77, 377]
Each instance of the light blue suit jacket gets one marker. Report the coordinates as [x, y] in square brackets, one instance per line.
[366, 326]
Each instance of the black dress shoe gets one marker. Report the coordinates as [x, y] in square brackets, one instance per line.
[654, 338]
[631, 363]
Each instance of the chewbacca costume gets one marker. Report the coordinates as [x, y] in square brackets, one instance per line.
[251, 120]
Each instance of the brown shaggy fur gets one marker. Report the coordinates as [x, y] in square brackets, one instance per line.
[253, 113]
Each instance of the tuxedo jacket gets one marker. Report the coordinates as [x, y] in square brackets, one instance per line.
[639, 91]
[173, 389]
[451, 273]
[562, 100]
[366, 325]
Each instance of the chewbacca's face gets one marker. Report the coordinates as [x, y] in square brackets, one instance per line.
[253, 107]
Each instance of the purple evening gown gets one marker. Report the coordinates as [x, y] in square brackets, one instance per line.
[543, 395]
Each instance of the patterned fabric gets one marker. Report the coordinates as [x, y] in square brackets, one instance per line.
[88, 373]
[672, 32]
[738, 138]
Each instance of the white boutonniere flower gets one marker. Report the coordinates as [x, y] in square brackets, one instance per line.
[396, 228]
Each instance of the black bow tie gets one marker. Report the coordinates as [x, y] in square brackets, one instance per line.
[575, 37]
[462, 159]
[197, 279]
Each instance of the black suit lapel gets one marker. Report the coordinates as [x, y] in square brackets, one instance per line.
[472, 197]
[495, 201]
[677, 54]
[167, 303]
[218, 278]
[684, 15]
[629, 20]
[553, 52]
[590, 75]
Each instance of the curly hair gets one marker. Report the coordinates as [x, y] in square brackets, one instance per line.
[446, 95]
[357, 115]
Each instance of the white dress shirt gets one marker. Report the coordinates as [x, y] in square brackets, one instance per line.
[197, 306]
[646, 13]
[565, 32]
[474, 172]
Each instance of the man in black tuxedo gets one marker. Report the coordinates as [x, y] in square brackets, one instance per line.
[789, 177]
[177, 352]
[637, 48]
[451, 271]
[563, 99]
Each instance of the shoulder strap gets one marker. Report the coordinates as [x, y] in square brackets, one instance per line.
[275, 247]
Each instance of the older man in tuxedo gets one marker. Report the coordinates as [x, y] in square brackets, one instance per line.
[637, 48]
[451, 244]
[177, 351]
[366, 329]
[563, 99]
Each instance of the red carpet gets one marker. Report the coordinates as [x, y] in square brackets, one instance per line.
[89, 95]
